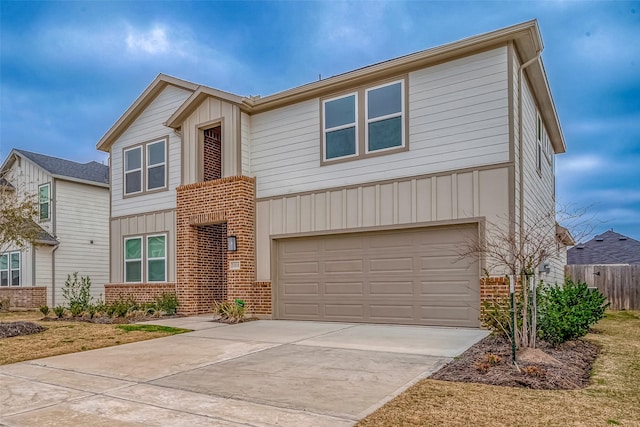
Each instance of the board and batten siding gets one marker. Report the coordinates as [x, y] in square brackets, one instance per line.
[149, 223]
[82, 228]
[245, 135]
[458, 118]
[211, 112]
[421, 200]
[147, 127]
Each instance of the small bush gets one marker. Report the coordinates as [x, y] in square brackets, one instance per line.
[230, 311]
[566, 312]
[5, 303]
[77, 292]
[59, 311]
[167, 302]
[496, 315]
[45, 310]
[121, 307]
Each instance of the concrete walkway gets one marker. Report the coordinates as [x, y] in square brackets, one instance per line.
[261, 373]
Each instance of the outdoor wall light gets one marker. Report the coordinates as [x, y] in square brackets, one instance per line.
[232, 243]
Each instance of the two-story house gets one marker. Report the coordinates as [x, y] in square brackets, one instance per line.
[73, 214]
[345, 199]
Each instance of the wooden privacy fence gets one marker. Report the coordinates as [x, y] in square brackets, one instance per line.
[619, 283]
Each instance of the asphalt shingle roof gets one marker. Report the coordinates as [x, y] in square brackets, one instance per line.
[92, 171]
[607, 248]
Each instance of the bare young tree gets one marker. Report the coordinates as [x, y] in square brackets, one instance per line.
[18, 211]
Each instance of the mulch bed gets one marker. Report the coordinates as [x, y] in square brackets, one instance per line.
[14, 329]
[109, 320]
[565, 367]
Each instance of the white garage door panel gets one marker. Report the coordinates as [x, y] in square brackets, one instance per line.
[412, 276]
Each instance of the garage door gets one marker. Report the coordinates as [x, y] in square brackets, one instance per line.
[412, 276]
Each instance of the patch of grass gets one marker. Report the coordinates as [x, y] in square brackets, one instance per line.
[152, 328]
[66, 337]
[612, 397]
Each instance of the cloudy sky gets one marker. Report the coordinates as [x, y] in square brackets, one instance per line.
[68, 70]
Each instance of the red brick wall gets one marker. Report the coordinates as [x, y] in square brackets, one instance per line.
[140, 292]
[492, 288]
[212, 156]
[25, 297]
[228, 200]
[211, 250]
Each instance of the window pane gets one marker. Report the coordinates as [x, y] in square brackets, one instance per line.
[155, 247]
[15, 278]
[156, 270]
[341, 143]
[385, 100]
[44, 210]
[15, 260]
[133, 159]
[133, 182]
[44, 194]
[4, 261]
[4, 278]
[340, 112]
[133, 271]
[133, 249]
[156, 177]
[155, 153]
[385, 134]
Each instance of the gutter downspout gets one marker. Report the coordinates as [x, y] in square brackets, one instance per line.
[520, 141]
[53, 275]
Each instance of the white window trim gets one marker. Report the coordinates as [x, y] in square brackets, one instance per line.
[48, 185]
[335, 128]
[10, 270]
[124, 258]
[148, 166]
[388, 116]
[140, 169]
[149, 258]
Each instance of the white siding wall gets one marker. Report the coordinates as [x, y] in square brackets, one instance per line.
[44, 270]
[458, 118]
[538, 194]
[82, 217]
[147, 127]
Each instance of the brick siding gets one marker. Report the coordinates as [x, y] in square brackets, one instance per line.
[25, 297]
[140, 292]
[212, 156]
[229, 201]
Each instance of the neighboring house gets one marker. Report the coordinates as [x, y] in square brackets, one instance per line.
[607, 248]
[73, 205]
[346, 199]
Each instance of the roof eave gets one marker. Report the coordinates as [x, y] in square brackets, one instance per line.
[81, 181]
[196, 98]
[156, 86]
[526, 36]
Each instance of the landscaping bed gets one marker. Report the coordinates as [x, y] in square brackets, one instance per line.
[564, 367]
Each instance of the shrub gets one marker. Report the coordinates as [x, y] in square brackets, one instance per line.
[496, 315]
[231, 311]
[121, 307]
[59, 311]
[167, 302]
[5, 303]
[566, 312]
[44, 309]
[77, 292]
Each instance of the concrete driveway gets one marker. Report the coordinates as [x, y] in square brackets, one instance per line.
[262, 373]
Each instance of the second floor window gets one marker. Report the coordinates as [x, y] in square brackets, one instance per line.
[145, 167]
[44, 201]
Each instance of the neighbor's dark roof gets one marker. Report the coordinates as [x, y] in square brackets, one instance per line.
[607, 248]
[92, 171]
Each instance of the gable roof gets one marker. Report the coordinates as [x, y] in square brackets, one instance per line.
[525, 37]
[607, 248]
[146, 97]
[90, 173]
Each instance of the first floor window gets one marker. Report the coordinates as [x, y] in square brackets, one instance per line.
[10, 269]
[44, 197]
[156, 259]
[133, 259]
[145, 259]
